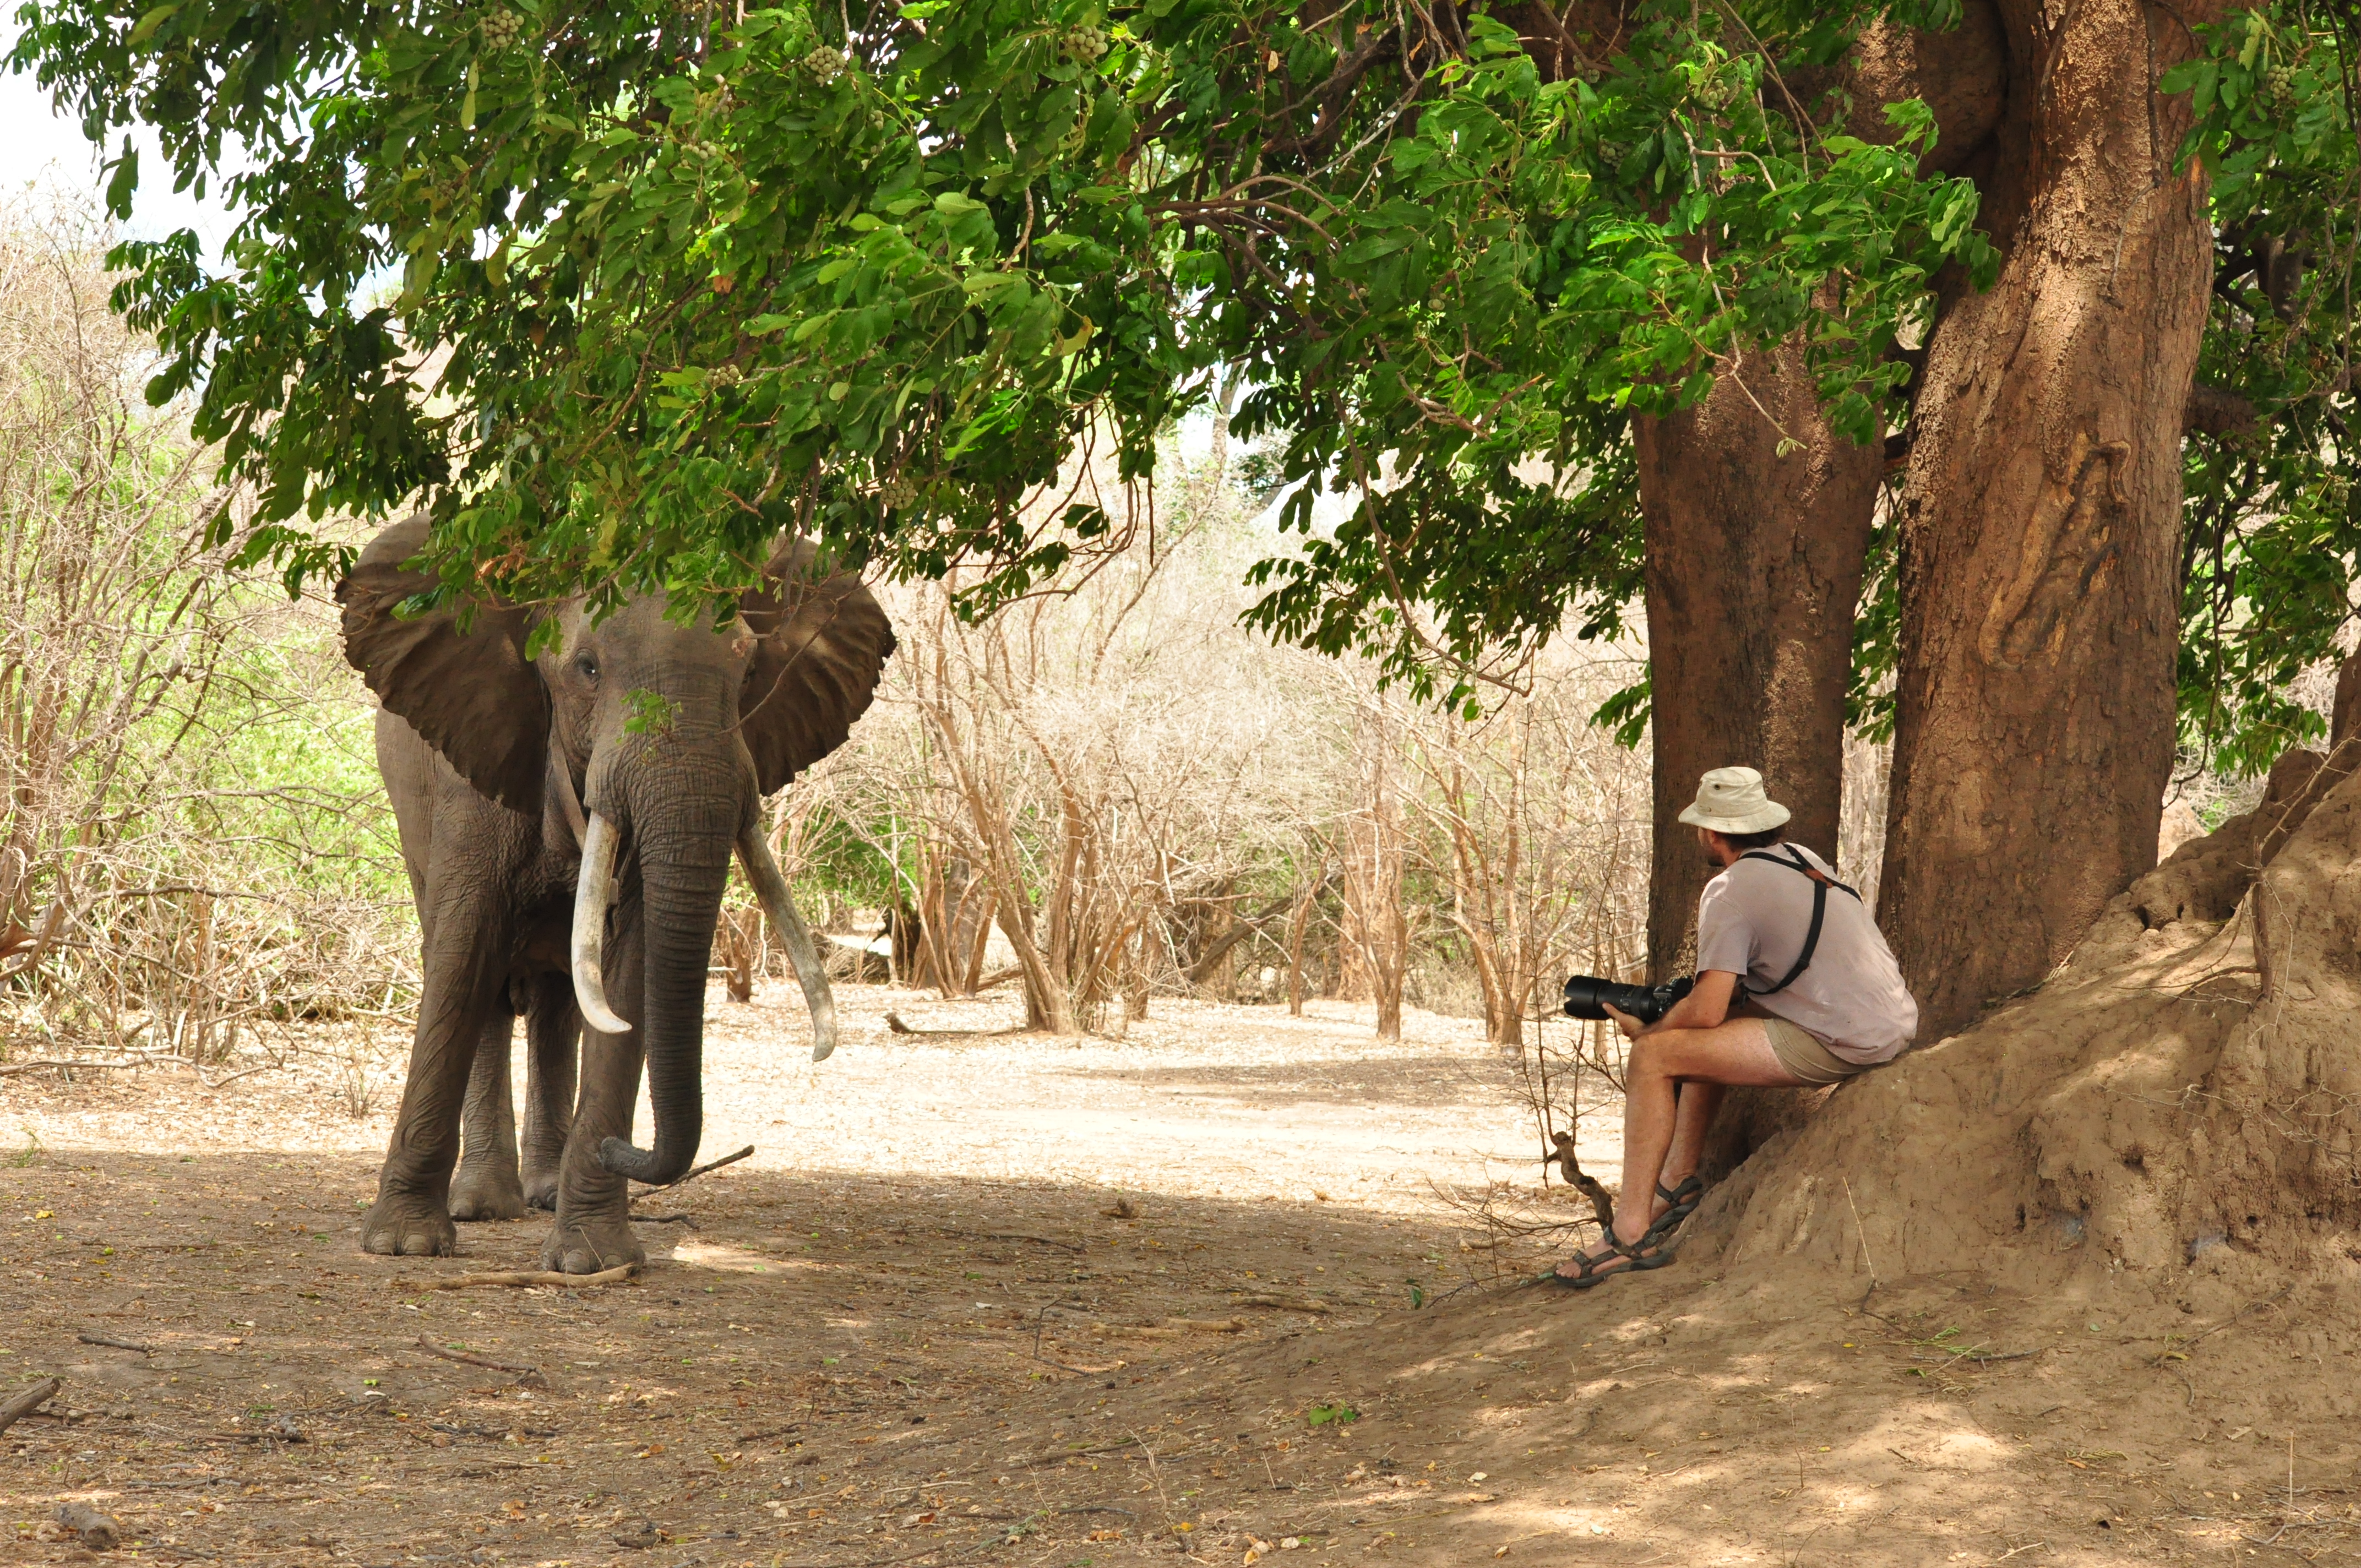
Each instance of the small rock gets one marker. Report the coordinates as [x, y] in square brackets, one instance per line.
[638, 1537]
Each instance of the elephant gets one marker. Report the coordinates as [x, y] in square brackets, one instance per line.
[568, 821]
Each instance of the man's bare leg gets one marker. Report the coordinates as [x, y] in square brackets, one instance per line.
[1661, 1064]
[1691, 1121]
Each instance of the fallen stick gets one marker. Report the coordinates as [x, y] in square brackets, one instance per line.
[525, 1278]
[21, 1405]
[711, 1165]
[1179, 1326]
[433, 1349]
[175, 1486]
[12, 1068]
[894, 1022]
[1009, 1236]
[1286, 1303]
[765, 1434]
[117, 1343]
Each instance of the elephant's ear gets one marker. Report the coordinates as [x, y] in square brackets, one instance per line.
[474, 698]
[824, 641]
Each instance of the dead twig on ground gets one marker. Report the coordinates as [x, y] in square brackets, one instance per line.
[1285, 1303]
[2180, 1352]
[117, 1343]
[1008, 1237]
[525, 1279]
[894, 1021]
[23, 1404]
[525, 1373]
[37, 1063]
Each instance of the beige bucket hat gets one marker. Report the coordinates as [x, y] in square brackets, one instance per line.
[1731, 800]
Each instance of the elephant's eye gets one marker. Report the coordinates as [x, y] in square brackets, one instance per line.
[586, 666]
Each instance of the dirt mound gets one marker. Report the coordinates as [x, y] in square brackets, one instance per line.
[2076, 1284]
[2181, 1093]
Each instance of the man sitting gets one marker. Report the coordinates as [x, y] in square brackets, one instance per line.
[1795, 985]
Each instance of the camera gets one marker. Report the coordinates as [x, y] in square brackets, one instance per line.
[1588, 996]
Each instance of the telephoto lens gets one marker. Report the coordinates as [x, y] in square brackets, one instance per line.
[1588, 996]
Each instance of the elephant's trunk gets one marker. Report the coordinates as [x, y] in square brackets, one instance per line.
[683, 825]
[779, 904]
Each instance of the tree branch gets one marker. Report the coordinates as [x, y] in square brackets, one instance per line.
[2213, 411]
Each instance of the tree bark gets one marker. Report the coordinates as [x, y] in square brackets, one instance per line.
[1753, 570]
[2041, 521]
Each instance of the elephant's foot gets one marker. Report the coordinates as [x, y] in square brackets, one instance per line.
[406, 1224]
[541, 1178]
[487, 1191]
[586, 1245]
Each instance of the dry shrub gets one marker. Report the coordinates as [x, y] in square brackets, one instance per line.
[192, 848]
[1080, 769]
[1116, 789]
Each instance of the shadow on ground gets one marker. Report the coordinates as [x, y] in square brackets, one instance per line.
[839, 1369]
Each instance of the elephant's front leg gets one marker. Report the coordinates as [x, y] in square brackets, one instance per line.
[464, 992]
[486, 1186]
[553, 1030]
[593, 1204]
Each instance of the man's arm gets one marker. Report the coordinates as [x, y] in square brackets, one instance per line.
[1705, 1007]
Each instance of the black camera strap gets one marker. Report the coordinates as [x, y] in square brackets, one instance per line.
[1821, 882]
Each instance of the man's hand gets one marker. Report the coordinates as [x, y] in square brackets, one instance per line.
[1704, 1008]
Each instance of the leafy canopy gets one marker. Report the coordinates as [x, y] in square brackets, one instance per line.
[620, 291]
[2271, 536]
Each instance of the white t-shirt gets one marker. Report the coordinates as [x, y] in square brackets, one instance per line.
[1751, 922]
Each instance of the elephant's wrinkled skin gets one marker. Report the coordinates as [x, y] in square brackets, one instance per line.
[666, 738]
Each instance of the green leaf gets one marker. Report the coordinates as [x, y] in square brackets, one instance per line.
[123, 182]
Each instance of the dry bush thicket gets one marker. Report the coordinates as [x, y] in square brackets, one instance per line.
[192, 848]
[1102, 774]
[1138, 795]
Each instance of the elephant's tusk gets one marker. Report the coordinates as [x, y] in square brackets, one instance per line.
[592, 894]
[779, 904]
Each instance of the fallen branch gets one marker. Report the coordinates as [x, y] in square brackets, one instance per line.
[12, 1068]
[765, 1433]
[2170, 1354]
[23, 1404]
[524, 1279]
[663, 1219]
[1058, 1456]
[1008, 1237]
[894, 1022]
[214, 1084]
[117, 1343]
[1286, 1303]
[526, 1372]
[697, 1172]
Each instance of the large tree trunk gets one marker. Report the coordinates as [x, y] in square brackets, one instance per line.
[1753, 570]
[2040, 525]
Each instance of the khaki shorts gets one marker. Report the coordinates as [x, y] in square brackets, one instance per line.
[1802, 1056]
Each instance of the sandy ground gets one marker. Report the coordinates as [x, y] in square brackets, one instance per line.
[1192, 1295]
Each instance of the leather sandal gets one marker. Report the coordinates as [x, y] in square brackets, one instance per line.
[1683, 1199]
[1648, 1252]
